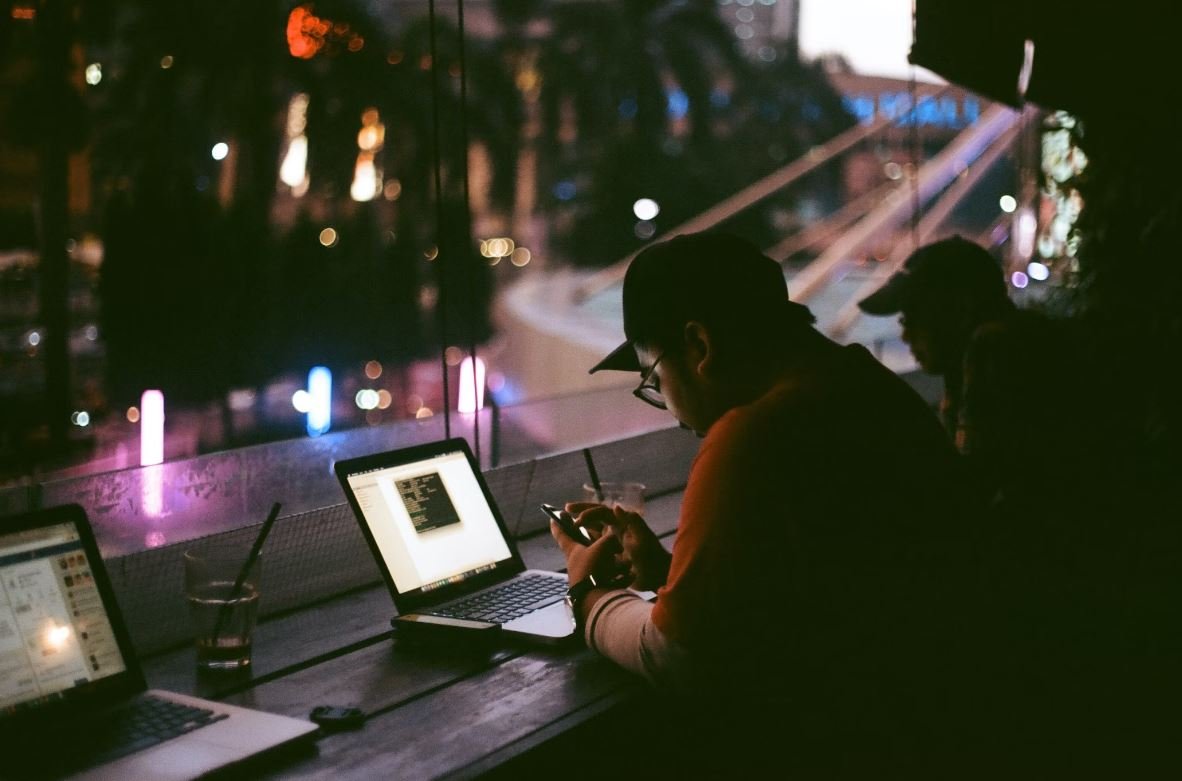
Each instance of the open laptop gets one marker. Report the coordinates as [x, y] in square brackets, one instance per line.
[73, 700]
[443, 548]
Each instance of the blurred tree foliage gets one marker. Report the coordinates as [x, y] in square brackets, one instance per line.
[216, 275]
[654, 100]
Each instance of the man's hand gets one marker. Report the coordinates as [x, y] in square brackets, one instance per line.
[581, 560]
[639, 549]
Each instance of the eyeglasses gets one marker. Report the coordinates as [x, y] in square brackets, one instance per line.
[649, 389]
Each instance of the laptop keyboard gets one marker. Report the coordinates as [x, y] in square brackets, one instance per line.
[504, 603]
[142, 723]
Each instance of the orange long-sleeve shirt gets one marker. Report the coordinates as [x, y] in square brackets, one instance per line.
[822, 538]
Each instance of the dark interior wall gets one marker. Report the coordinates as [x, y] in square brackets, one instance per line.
[1111, 66]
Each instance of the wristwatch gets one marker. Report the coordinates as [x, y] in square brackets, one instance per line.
[579, 591]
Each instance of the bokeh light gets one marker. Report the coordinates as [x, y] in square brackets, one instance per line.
[520, 257]
[301, 401]
[497, 248]
[366, 398]
[646, 209]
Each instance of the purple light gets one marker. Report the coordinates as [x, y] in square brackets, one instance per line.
[1019, 279]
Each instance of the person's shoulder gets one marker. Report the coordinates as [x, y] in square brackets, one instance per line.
[795, 401]
[1019, 331]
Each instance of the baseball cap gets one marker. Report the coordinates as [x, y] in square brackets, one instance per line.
[953, 266]
[715, 277]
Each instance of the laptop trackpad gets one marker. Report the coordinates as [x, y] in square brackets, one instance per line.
[554, 621]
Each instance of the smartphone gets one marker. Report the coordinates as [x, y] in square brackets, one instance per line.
[563, 519]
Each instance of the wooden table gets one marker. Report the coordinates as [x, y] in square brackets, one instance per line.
[435, 711]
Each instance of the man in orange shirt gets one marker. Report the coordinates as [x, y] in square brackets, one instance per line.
[821, 567]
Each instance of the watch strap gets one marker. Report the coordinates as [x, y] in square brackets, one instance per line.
[579, 591]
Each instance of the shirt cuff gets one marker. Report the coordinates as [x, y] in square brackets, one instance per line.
[620, 628]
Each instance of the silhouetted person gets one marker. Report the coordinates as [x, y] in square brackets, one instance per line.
[814, 598]
[1021, 404]
[1013, 379]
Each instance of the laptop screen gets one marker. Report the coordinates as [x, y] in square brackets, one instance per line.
[55, 634]
[430, 521]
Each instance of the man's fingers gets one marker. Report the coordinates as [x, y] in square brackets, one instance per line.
[624, 517]
[607, 541]
[562, 538]
[590, 514]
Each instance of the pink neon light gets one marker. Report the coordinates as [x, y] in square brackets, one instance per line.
[151, 427]
[471, 394]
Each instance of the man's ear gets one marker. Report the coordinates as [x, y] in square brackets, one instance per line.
[699, 347]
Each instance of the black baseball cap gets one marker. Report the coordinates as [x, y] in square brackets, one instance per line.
[951, 267]
[715, 277]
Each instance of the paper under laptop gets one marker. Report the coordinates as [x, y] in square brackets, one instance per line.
[442, 545]
[67, 665]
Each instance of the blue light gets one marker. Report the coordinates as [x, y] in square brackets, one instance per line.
[677, 103]
[506, 395]
[565, 190]
[861, 107]
[971, 109]
[320, 409]
[628, 108]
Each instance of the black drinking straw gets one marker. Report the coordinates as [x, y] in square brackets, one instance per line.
[594, 474]
[250, 560]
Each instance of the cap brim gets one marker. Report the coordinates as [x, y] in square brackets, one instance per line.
[888, 299]
[621, 359]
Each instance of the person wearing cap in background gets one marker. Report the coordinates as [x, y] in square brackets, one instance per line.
[1013, 380]
[1022, 409]
[817, 577]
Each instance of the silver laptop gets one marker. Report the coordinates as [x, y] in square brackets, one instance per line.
[443, 548]
[73, 700]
